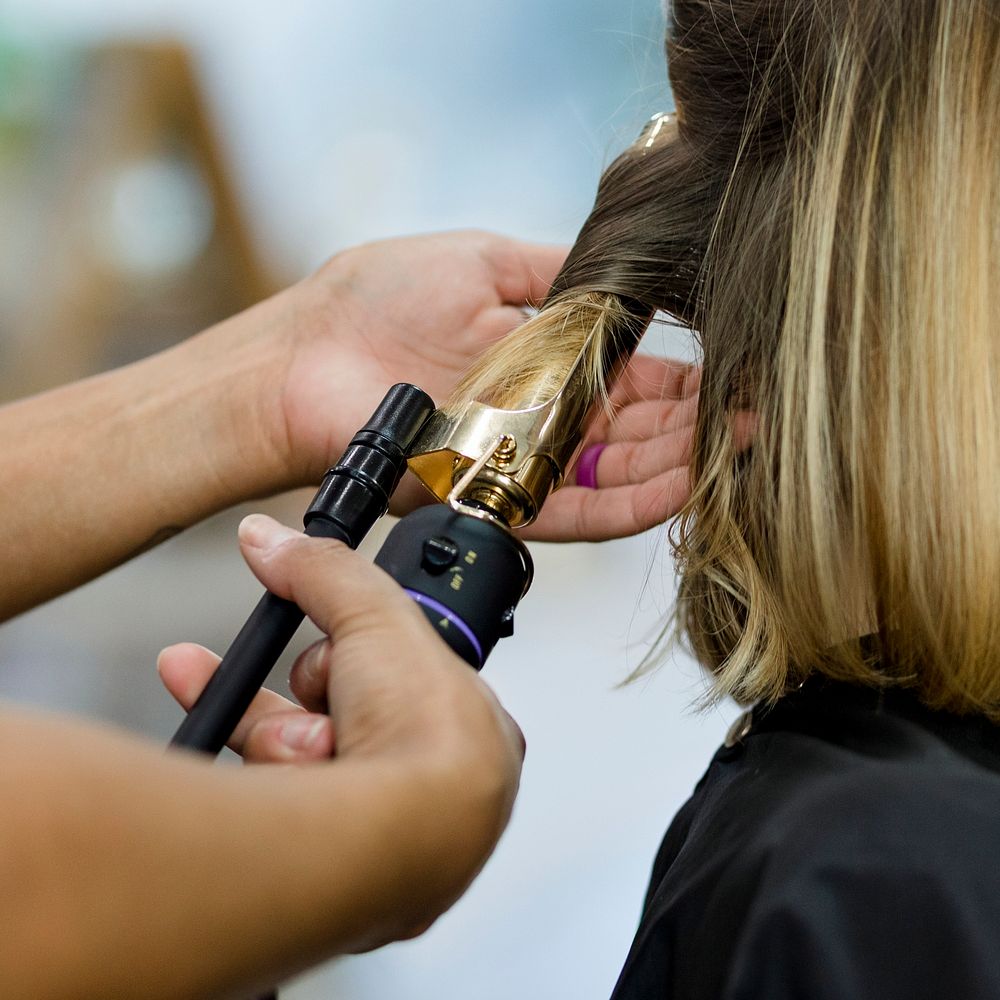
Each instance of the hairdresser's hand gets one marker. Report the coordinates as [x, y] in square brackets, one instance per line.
[399, 702]
[277, 730]
[274, 729]
[642, 475]
[407, 310]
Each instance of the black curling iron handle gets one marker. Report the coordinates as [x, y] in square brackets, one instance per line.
[354, 495]
[466, 574]
[245, 667]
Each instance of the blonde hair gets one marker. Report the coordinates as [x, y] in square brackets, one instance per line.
[530, 365]
[826, 219]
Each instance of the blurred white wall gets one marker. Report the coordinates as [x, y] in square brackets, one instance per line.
[347, 122]
[350, 121]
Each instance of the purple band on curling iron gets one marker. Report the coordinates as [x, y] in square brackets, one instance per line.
[586, 466]
[448, 615]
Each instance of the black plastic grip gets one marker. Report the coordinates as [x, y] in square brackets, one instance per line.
[466, 573]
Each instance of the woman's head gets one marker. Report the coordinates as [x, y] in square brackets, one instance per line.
[825, 214]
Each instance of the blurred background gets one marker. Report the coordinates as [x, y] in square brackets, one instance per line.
[163, 165]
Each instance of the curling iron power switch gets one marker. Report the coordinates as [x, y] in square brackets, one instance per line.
[438, 555]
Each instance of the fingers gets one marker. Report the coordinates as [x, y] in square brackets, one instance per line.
[638, 483]
[637, 449]
[579, 514]
[506, 319]
[339, 590]
[522, 272]
[649, 418]
[310, 676]
[273, 728]
[648, 377]
[639, 461]
[289, 737]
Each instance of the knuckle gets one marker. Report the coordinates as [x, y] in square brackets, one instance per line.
[586, 513]
[286, 553]
[642, 512]
[633, 463]
[255, 744]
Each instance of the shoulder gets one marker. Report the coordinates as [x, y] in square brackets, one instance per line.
[911, 827]
[883, 876]
[806, 868]
[910, 814]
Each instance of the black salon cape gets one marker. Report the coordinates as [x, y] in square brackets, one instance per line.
[848, 848]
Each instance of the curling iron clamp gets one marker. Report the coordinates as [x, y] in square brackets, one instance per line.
[507, 461]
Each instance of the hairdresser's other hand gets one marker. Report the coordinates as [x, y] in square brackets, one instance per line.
[415, 310]
[398, 702]
[643, 473]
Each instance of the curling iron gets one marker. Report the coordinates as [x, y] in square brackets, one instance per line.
[460, 560]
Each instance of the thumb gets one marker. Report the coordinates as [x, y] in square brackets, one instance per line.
[338, 589]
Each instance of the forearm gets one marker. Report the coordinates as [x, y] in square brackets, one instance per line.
[130, 873]
[97, 471]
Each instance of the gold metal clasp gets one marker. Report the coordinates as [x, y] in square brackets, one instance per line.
[509, 460]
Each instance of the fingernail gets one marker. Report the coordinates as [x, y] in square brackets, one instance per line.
[301, 734]
[262, 532]
[311, 661]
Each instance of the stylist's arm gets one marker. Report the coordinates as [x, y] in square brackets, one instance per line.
[130, 873]
[100, 470]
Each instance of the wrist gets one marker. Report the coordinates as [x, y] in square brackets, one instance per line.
[335, 374]
[293, 378]
[415, 835]
[226, 383]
